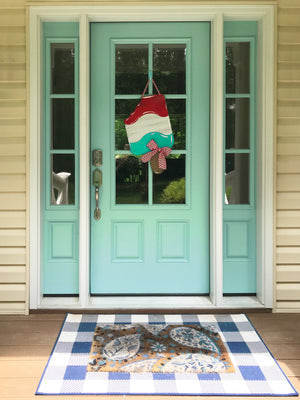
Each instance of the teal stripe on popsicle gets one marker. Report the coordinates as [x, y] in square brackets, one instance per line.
[161, 140]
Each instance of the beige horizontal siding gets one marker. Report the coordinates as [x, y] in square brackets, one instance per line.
[288, 158]
[12, 52]
[288, 16]
[286, 146]
[13, 256]
[12, 16]
[12, 90]
[12, 147]
[12, 156]
[288, 201]
[12, 35]
[288, 237]
[14, 307]
[12, 238]
[288, 273]
[288, 164]
[13, 165]
[12, 273]
[288, 255]
[288, 306]
[288, 182]
[12, 219]
[12, 292]
[288, 291]
[288, 219]
[289, 107]
[12, 183]
[12, 71]
[287, 90]
[12, 108]
[288, 52]
[287, 127]
[12, 201]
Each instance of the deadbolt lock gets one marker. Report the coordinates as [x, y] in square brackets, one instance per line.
[97, 158]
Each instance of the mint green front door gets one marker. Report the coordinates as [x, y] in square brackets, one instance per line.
[153, 233]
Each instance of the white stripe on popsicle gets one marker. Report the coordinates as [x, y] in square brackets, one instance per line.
[146, 124]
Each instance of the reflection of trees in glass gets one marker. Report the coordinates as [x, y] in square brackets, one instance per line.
[169, 68]
[131, 180]
[230, 163]
[230, 105]
[237, 67]
[131, 68]
[128, 169]
[230, 123]
[123, 109]
[174, 193]
[62, 61]
[175, 171]
[176, 109]
[237, 123]
[230, 70]
[120, 134]
[63, 124]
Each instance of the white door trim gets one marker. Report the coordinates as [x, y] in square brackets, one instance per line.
[216, 14]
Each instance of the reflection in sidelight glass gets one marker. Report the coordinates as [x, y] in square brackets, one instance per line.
[123, 108]
[237, 67]
[62, 68]
[62, 129]
[169, 187]
[237, 123]
[131, 68]
[176, 109]
[131, 180]
[62, 179]
[237, 179]
[169, 64]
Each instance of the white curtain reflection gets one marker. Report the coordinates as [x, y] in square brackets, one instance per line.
[60, 188]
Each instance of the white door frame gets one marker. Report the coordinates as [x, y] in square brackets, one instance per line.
[216, 14]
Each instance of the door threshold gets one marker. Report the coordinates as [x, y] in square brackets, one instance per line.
[156, 303]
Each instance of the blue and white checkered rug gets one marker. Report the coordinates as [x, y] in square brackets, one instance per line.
[256, 371]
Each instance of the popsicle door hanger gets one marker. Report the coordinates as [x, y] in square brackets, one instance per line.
[149, 130]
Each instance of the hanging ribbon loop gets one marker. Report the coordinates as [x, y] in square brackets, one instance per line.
[143, 94]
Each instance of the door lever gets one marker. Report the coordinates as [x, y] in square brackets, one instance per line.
[97, 182]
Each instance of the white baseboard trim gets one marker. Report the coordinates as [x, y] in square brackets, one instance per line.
[185, 303]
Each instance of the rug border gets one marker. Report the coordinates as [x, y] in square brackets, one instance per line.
[163, 394]
[49, 357]
[296, 393]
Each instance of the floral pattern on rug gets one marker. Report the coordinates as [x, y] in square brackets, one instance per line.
[158, 348]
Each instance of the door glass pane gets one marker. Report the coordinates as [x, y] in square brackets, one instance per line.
[176, 109]
[169, 187]
[62, 68]
[237, 67]
[131, 68]
[131, 180]
[169, 67]
[123, 108]
[63, 179]
[237, 179]
[237, 123]
[62, 132]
